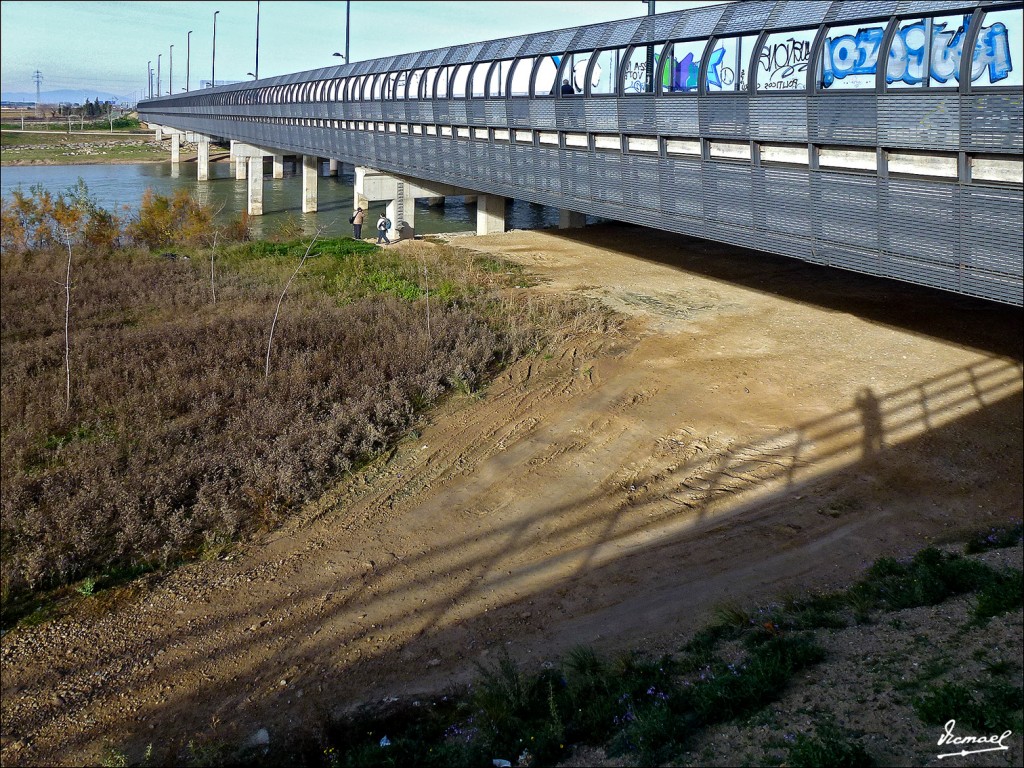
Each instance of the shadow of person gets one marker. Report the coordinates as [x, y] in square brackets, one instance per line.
[871, 422]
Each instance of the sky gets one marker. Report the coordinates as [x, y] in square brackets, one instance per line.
[106, 46]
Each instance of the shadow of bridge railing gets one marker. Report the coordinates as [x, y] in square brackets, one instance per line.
[336, 628]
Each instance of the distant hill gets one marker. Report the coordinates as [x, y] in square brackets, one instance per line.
[65, 96]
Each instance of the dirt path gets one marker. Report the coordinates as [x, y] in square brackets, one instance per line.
[757, 426]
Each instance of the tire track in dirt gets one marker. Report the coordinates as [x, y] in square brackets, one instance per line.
[609, 494]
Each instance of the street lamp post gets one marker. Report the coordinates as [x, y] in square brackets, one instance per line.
[348, 9]
[650, 52]
[149, 77]
[188, 58]
[213, 66]
[257, 75]
[158, 57]
[170, 72]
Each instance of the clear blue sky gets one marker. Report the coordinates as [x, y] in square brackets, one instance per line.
[104, 46]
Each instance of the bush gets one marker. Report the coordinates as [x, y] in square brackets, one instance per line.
[175, 442]
[928, 579]
[1004, 592]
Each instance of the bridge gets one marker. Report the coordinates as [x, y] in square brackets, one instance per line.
[850, 133]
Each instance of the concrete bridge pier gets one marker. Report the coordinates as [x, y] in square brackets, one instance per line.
[237, 157]
[254, 202]
[203, 159]
[436, 202]
[309, 183]
[402, 211]
[332, 167]
[490, 214]
[175, 148]
[278, 172]
[571, 219]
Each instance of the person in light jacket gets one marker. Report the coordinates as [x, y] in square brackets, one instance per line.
[357, 223]
[383, 225]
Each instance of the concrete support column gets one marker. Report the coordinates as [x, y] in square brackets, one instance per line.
[240, 163]
[159, 132]
[255, 198]
[436, 202]
[175, 148]
[309, 183]
[203, 161]
[402, 212]
[571, 219]
[332, 167]
[469, 199]
[490, 214]
[278, 166]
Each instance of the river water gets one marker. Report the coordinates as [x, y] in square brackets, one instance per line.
[117, 185]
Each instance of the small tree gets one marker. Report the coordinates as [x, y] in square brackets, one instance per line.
[273, 325]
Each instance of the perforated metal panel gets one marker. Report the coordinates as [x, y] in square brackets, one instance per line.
[947, 230]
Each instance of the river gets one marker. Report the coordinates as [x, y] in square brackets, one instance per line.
[116, 185]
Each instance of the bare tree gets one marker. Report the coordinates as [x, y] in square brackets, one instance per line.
[426, 287]
[213, 252]
[66, 235]
[273, 325]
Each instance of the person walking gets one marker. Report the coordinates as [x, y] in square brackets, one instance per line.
[383, 225]
[357, 223]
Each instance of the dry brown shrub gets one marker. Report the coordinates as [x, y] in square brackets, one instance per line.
[173, 437]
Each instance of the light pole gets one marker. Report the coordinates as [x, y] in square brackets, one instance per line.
[257, 75]
[149, 76]
[348, 9]
[213, 66]
[650, 52]
[170, 72]
[188, 58]
[158, 57]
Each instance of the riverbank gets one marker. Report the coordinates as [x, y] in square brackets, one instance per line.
[21, 148]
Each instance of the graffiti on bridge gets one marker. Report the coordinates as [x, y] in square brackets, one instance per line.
[856, 53]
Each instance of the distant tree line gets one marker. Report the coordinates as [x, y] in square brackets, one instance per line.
[89, 109]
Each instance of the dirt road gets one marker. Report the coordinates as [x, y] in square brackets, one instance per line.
[755, 426]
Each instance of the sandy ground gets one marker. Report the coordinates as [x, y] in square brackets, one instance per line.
[756, 427]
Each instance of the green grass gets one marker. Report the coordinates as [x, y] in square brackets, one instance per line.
[829, 746]
[989, 705]
[995, 537]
